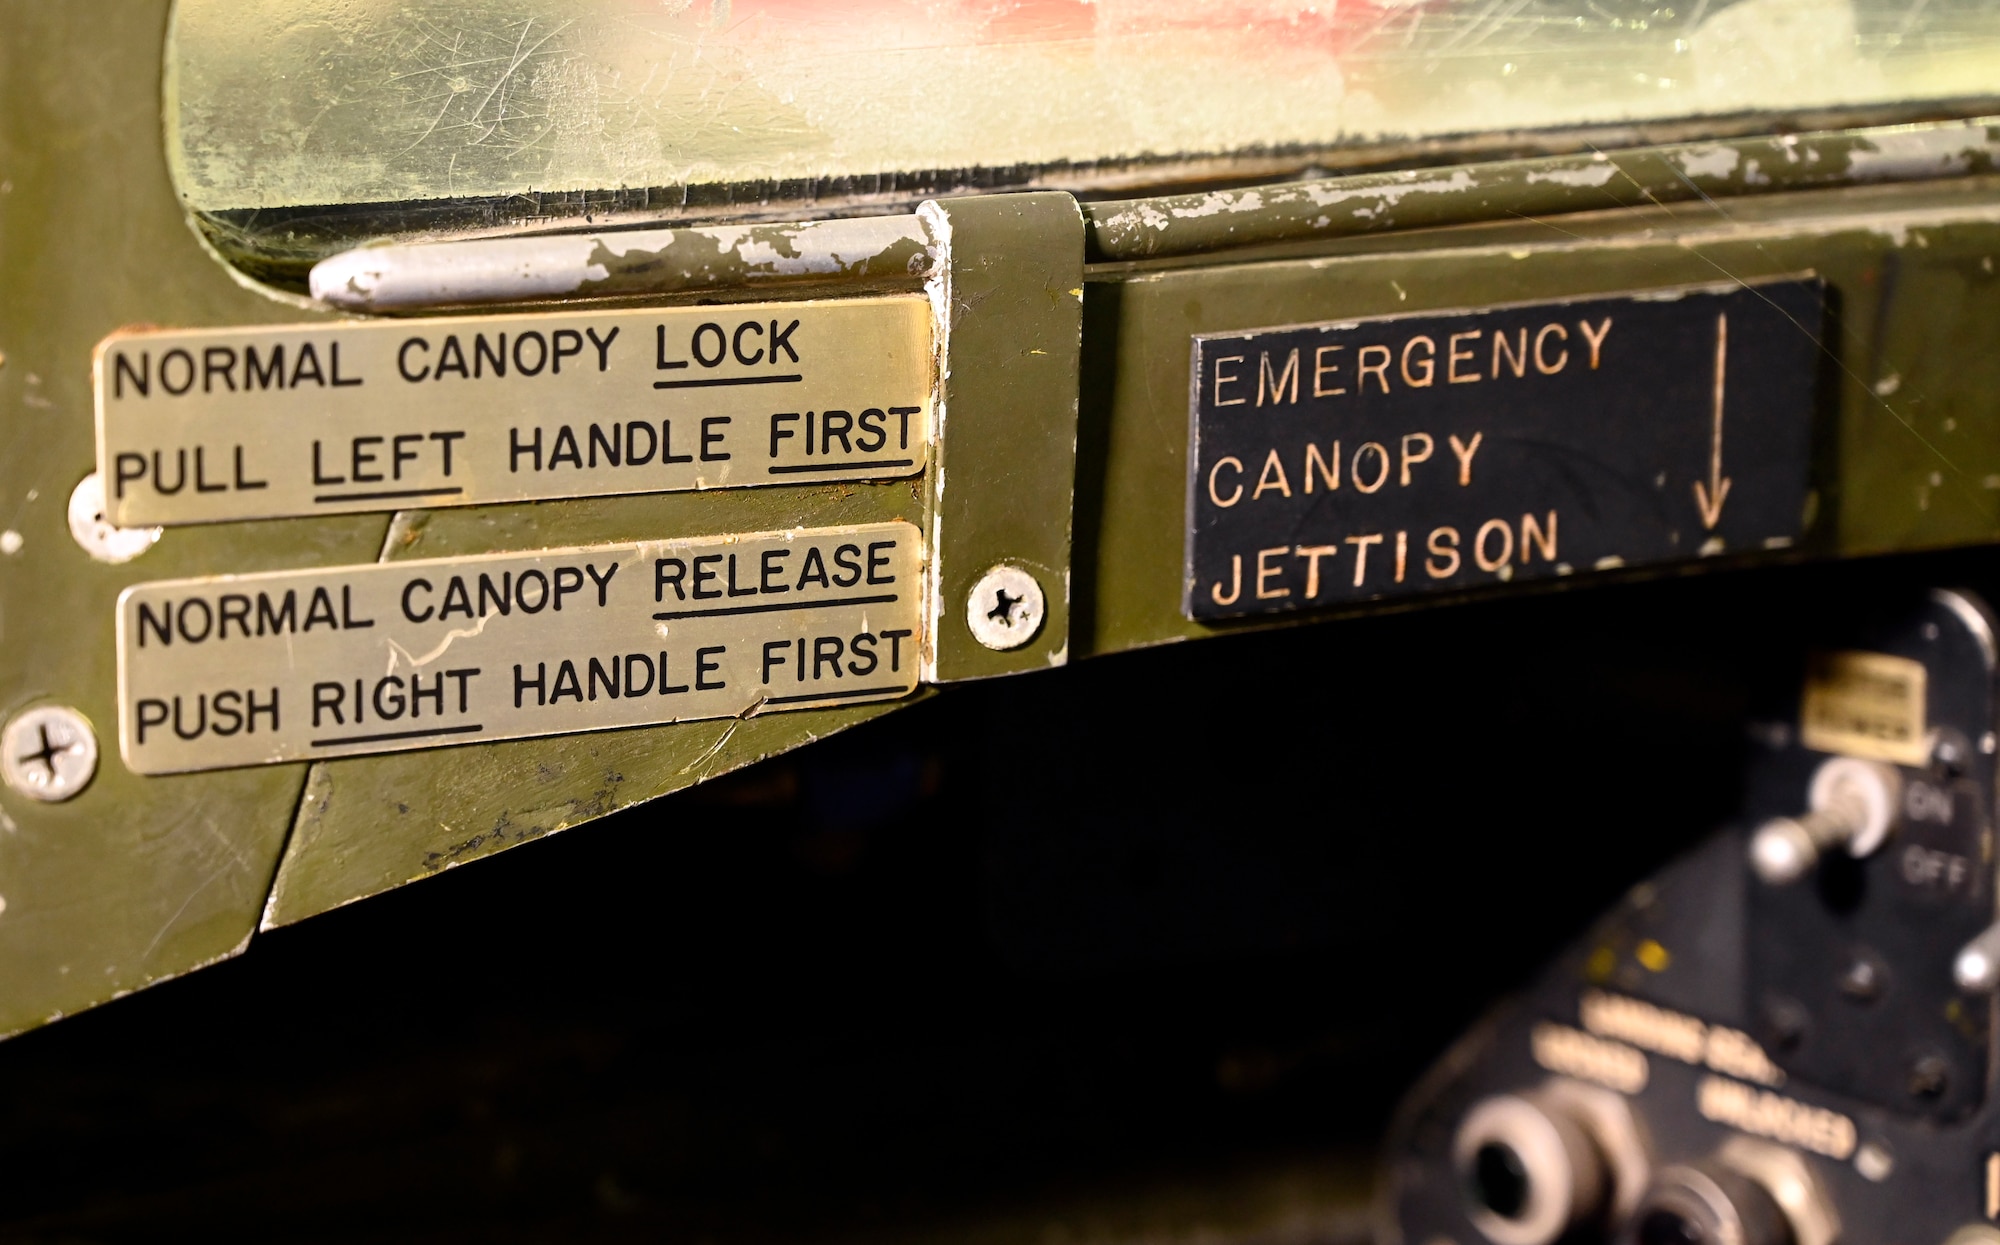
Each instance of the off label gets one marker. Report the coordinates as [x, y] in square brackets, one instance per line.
[201, 426]
[1444, 451]
[293, 665]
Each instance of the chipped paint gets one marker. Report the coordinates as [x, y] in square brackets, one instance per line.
[1218, 203]
[1594, 175]
[620, 264]
[497, 269]
[626, 263]
[1895, 229]
[937, 287]
[1414, 199]
[1895, 156]
[1710, 161]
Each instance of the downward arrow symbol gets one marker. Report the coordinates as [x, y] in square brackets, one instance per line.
[1710, 496]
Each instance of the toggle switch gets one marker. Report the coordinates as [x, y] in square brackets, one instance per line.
[1851, 804]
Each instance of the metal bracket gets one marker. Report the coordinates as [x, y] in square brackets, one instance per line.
[1007, 292]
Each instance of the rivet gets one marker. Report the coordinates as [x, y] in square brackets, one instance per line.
[1863, 979]
[99, 538]
[1874, 1161]
[1951, 752]
[1786, 1022]
[1928, 1077]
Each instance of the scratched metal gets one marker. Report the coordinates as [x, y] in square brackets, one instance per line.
[235, 670]
[430, 99]
[197, 426]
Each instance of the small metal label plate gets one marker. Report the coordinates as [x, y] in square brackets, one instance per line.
[208, 425]
[1442, 451]
[293, 665]
[1868, 705]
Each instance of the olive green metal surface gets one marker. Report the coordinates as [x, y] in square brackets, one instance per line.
[135, 879]
[1910, 462]
[138, 879]
[370, 823]
[1064, 414]
[1010, 296]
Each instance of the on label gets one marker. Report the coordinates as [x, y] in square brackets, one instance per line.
[1865, 705]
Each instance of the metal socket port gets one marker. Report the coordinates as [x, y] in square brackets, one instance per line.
[1748, 1193]
[1707, 1203]
[1538, 1164]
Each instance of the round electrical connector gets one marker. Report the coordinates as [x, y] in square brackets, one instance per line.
[1703, 1204]
[1530, 1171]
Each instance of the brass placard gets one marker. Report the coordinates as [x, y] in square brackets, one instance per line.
[214, 424]
[292, 665]
[1865, 705]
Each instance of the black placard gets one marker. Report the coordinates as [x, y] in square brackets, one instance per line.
[1351, 461]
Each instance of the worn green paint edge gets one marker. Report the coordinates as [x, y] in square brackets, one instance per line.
[1343, 207]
